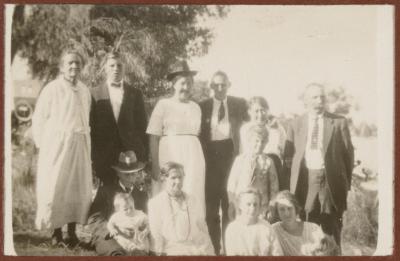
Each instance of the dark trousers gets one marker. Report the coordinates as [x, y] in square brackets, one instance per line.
[283, 177]
[319, 206]
[219, 157]
[108, 247]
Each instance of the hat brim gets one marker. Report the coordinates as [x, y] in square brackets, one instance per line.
[171, 76]
[140, 166]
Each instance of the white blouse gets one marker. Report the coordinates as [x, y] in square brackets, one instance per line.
[171, 117]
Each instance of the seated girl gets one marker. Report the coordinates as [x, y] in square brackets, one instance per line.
[129, 226]
[248, 235]
[253, 168]
[299, 238]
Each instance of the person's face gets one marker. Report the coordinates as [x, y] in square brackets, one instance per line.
[128, 179]
[258, 114]
[114, 69]
[249, 206]
[71, 66]
[183, 87]
[286, 211]
[127, 207]
[255, 144]
[315, 99]
[174, 182]
[220, 87]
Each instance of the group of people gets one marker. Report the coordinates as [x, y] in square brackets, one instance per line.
[227, 178]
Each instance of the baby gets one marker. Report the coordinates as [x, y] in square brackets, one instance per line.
[129, 226]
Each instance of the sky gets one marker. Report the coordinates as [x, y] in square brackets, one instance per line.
[275, 51]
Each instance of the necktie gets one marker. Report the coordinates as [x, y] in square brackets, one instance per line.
[314, 135]
[221, 112]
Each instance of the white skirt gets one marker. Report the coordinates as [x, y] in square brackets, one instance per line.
[186, 150]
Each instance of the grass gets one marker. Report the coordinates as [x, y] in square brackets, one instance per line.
[359, 235]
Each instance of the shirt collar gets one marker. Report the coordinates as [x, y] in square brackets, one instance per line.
[121, 82]
[219, 102]
[125, 188]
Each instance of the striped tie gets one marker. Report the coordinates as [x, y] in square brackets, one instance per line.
[314, 135]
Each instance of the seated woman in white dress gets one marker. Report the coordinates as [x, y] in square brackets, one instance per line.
[299, 238]
[249, 235]
[176, 228]
[173, 127]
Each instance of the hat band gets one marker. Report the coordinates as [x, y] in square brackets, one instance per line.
[130, 166]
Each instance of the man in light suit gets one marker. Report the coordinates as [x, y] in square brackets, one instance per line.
[321, 156]
[222, 117]
[118, 120]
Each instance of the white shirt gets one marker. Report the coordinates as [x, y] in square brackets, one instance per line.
[220, 130]
[314, 157]
[116, 96]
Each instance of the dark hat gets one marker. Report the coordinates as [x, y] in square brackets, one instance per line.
[128, 162]
[179, 68]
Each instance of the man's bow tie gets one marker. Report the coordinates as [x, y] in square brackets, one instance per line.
[116, 84]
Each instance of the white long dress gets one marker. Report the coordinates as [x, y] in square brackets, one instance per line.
[61, 131]
[178, 125]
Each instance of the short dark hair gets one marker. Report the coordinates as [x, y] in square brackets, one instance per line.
[222, 74]
[168, 166]
[258, 100]
[285, 194]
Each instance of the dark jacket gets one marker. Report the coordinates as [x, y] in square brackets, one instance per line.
[237, 113]
[338, 157]
[111, 137]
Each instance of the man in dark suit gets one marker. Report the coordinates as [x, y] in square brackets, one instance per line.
[129, 176]
[118, 120]
[321, 155]
[222, 117]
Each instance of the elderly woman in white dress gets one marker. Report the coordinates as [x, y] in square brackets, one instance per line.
[61, 131]
[176, 228]
[299, 238]
[174, 127]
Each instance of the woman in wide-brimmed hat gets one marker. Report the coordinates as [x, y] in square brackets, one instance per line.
[173, 127]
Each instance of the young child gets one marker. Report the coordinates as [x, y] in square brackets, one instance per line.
[248, 235]
[253, 168]
[129, 226]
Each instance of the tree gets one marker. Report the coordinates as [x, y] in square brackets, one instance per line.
[150, 37]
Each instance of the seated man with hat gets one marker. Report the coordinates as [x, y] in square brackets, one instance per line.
[130, 174]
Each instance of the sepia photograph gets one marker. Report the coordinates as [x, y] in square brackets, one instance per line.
[198, 130]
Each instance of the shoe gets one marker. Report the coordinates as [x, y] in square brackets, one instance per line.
[56, 240]
[72, 240]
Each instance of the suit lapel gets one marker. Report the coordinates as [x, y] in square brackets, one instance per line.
[104, 95]
[125, 105]
[303, 131]
[328, 129]
[230, 106]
